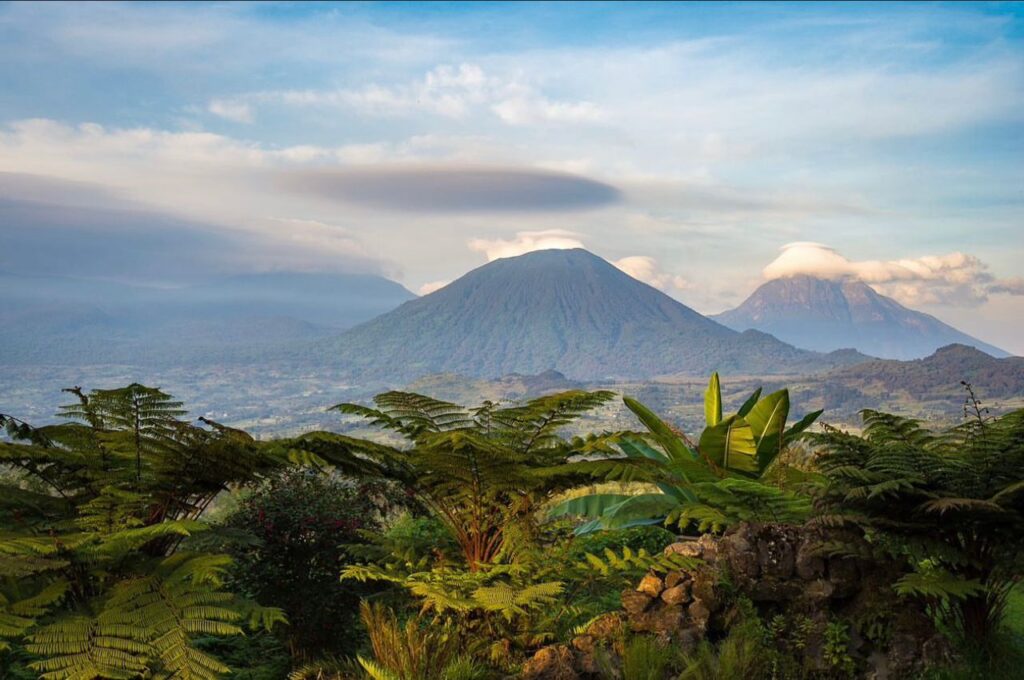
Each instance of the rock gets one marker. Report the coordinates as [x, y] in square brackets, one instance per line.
[665, 621]
[586, 654]
[635, 602]
[676, 594]
[809, 565]
[699, 614]
[936, 651]
[774, 590]
[820, 590]
[606, 626]
[703, 588]
[684, 548]
[740, 555]
[844, 575]
[584, 643]
[651, 584]
[674, 578]
[688, 639]
[777, 568]
[877, 666]
[776, 557]
[902, 658]
[708, 547]
[551, 663]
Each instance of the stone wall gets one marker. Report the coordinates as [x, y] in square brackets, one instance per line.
[784, 572]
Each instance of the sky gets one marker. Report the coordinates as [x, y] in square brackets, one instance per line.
[703, 148]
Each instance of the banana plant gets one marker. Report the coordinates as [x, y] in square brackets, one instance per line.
[741, 445]
[748, 441]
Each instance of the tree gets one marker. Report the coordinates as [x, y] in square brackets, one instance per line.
[482, 472]
[950, 504]
[713, 482]
[93, 515]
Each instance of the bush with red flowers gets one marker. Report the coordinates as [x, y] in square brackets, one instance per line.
[297, 531]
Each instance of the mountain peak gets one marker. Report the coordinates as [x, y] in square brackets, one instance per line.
[567, 310]
[959, 351]
[826, 315]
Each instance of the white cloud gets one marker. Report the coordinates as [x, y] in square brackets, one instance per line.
[430, 287]
[449, 91]
[236, 111]
[526, 242]
[952, 279]
[647, 269]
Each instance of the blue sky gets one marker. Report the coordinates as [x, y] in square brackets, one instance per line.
[686, 142]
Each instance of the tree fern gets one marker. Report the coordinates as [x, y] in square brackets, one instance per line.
[946, 502]
[102, 590]
[479, 471]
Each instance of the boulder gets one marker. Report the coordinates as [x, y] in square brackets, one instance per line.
[556, 662]
[674, 578]
[663, 621]
[652, 585]
[676, 594]
[635, 602]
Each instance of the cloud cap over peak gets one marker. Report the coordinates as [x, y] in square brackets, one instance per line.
[953, 279]
[454, 188]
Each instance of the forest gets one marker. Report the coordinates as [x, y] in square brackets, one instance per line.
[510, 540]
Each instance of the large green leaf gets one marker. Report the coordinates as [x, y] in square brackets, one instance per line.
[663, 434]
[643, 506]
[676, 468]
[634, 448]
[731, 445]
[749, 403]
[768, 421]
[592, 505]
[799, 427]
[713, 402]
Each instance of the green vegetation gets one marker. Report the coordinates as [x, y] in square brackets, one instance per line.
[950, 503]
[461, 543]
[713, 482]
[99, 577]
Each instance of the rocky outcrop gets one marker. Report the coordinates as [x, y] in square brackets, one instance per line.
[794, 584]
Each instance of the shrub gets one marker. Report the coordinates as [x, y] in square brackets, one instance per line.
[300, 525]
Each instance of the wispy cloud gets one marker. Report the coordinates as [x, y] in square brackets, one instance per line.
[648, 270]
[432, 286]
[236, 111]
[451, 91]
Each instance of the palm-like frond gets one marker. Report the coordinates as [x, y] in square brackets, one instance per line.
[124, 482]
[478, 470]
[946, 502]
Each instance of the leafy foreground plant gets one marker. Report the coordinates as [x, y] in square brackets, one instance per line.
[713, 483]
[297, 531]
[951, 504]
[482, 472]
[413, 651]
[504, 609]
[93, 513]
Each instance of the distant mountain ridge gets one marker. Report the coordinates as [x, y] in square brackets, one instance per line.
[566, 310]
[939, 374]
[53, 320]
[825, 315]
